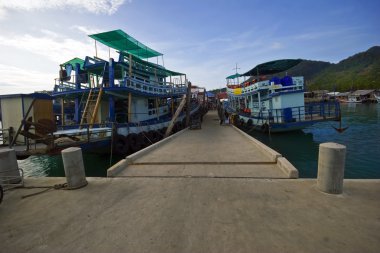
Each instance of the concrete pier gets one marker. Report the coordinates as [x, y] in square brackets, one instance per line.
[213, 151]
[234, 201]
[178, 214]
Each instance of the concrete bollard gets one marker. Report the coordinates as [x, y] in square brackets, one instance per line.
[74, 167]
[331, 162]
[9, 172]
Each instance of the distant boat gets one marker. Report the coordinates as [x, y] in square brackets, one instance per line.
[275, 104]
[353, 99]
[358, 97]
[377, 98]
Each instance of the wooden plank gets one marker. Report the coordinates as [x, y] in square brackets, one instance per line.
[172, 122]
[95, 111]
[129, 107]
[22, 123]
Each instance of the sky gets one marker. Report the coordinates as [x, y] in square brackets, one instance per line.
[203, 38]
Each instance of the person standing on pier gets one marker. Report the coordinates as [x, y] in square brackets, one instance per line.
[220, 114]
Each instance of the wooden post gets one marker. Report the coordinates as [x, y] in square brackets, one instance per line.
[172, 102]
[129, 107]
[157, 107]
[130, 66]
[188, 97]
[62, 111]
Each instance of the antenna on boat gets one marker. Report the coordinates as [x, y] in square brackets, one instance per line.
[236, 68]
[96, 49]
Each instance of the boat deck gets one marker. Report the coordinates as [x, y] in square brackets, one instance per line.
[212, 151]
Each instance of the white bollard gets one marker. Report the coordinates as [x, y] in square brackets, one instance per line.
[9, 172]
[74, 167]
[331, 162]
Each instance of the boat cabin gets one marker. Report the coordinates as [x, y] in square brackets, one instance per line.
[34, 107]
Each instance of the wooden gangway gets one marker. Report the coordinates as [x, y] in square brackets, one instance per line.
[212, 151]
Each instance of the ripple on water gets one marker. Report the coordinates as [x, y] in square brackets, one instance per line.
[362, 140]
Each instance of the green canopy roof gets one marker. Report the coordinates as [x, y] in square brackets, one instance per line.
[233, 76]
[272, 67]
[74, 61]
[160, 69]
[121, 41]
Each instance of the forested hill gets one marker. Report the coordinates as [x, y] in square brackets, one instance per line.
[360, 71]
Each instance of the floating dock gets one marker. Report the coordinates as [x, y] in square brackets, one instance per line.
[227, 198]
[213, 151]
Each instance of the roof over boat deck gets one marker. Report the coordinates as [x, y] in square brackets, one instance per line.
[122, 41]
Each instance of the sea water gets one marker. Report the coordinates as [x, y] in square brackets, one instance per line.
[362, 140]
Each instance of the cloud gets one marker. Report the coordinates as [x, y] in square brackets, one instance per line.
[323, 32]
[56, 48]
[86, 30]
[19, 80]
[48, 47]
[93, 6]
[277, 45]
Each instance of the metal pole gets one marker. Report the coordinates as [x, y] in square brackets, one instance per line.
[188, 96]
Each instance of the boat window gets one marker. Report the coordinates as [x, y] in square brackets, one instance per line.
[151, 103]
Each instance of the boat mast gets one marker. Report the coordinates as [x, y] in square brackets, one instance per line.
[258, 88]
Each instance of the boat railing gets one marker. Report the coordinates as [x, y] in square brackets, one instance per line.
[255, 88]
[6, 136]
[143, 86]
[310, 112]
[69, 83]
[82, 133]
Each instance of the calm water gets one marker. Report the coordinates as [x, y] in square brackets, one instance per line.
[362, 140]
[52, 166]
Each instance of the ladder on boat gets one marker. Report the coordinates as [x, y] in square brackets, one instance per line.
[91, 108]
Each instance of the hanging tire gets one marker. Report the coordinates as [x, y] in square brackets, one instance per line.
[1, 193]
[154, 136]
[141, 141]
[184, 122]
[121, 145]
[163, 130]
[265, 128]
[174, 129]
[180, 126]
[249, 123]
[132, 142]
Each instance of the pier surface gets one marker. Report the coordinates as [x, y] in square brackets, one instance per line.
[191, 215]
[213, 151]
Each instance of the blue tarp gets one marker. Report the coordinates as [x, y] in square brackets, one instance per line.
[210, 94]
